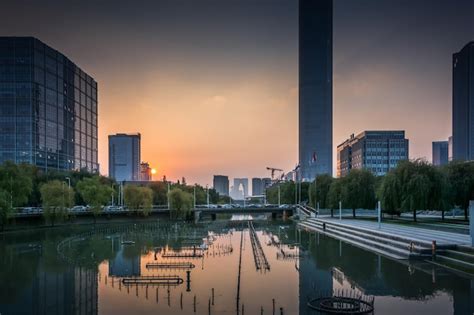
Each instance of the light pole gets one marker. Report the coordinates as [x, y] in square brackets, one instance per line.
[113, 191]
[69, 187]
[168, 195]
[207, 191]
[279, 195]
[194, 196]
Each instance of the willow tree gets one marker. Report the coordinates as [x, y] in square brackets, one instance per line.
[57, 197]
[95, 193]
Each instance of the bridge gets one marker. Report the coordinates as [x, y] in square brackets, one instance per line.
[199, 211]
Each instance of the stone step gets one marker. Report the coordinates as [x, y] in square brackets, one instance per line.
[455, 263]
[373, 237]
[456, 254]
[387, 250]
[399, 236]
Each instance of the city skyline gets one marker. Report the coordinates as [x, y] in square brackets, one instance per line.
[251, 81]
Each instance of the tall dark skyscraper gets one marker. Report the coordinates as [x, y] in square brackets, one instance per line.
[48, 108]
[440, 153]
[315, 88]
[463, 103]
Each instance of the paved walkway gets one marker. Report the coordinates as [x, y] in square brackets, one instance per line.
[415, 233]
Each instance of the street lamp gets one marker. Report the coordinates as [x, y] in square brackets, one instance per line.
[207, 190]
[194, 196]
[69, 187]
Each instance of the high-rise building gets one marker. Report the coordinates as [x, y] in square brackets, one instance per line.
[240, 189]
[315, 88]
[440, 153]
[124, 156]
[377, 151]
[463, 103]
[145, 171]
[48, 108]
[257, 186]
[221, 184]
[266, 182]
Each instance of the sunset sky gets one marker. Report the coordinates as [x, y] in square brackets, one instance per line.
[212, 84]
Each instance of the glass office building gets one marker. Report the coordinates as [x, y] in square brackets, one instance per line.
[463, 104]
[125, 156]
[440, 153]
[48, 108]
[315, 88]
[376, 151]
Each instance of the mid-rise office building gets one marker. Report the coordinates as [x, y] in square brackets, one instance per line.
[257, 186]
[377, 151]
[315, 88]
[440, 153]
[221, 184]
[240, 189]
[48, 108]
[125, 156]
[266, 182]
[463, 103]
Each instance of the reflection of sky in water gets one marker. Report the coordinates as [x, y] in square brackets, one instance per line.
[35, 280]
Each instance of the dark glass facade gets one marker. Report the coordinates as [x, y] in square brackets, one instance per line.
[463, 103]
[376, 151]
[221, 184]
[48, 108]
[440, 153]
[315, 88]
[125, 157]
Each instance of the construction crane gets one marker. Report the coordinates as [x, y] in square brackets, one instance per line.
[273, 170]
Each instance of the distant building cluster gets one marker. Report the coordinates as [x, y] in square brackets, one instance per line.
[377, 151]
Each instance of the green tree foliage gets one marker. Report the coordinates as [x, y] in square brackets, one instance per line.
[95, 193]
[15, 187]
[139, 199]
[460, 178]
[319, 191]
[160, 192]
[181, 203]
[57, 198]
[389, 194]
[334, 194]
[358, 190]
[414, 185]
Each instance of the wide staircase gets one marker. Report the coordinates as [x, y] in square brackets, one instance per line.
[399, 242]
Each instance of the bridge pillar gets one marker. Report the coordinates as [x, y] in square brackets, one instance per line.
[213, 216]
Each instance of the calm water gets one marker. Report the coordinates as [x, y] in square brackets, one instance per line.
[81, 271]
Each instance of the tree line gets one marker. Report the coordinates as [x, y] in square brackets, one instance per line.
[25, 185]
[411, 186]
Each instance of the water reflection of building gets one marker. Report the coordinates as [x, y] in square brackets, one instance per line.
[126, 263]
[312, 277]
[73, 290]
[350, 267]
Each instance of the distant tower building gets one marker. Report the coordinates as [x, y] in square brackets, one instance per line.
[237, 192]
[257, 186]
[221, 184]
[377, 151]
[145, 171]
[48, 108]
[463, 103]
[315, 88]
[124, 156]
[440, 153]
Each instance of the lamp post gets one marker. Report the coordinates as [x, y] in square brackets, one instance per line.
[69, 187]
[168, 195]
[207, 191]
[279, 195]
[194, 196]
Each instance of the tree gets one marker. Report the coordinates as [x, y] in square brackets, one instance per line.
[138, 198]
[94, 193]
[358, 190]
[334, 194]
[181, 203]
[15, 188]
[389, 193]
[460, 178]
[160, 192]
[319, 191]
[57, 198]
